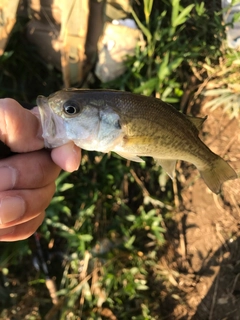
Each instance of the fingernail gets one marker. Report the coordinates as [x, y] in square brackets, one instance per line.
[8, 177]
[11, 208]
[6, 231]
[75, 151]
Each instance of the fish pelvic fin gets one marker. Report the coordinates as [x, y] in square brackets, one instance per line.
[167, 165]
[218, 173]
[197, 121]
[129, 156]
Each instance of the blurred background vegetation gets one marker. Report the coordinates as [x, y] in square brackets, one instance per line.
[109, 223]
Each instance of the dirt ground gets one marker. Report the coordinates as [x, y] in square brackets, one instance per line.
[204, 260]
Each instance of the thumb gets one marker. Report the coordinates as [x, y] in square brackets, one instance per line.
[68, 156]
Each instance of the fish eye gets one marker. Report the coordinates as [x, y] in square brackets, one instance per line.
[71, 107]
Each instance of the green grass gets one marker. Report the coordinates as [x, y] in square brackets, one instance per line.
[105, 229]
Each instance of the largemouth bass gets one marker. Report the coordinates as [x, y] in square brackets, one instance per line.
[131, 125]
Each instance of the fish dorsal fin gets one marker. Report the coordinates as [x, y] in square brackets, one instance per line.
[168, 166]
[197, 121]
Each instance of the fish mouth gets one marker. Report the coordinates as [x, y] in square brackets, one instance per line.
[54, 133]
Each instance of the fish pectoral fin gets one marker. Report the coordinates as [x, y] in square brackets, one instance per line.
[167, 165]
[197, 121]
[130, 156]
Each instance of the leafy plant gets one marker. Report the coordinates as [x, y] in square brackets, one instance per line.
[222, 84]
[111, 241]
[172, 48]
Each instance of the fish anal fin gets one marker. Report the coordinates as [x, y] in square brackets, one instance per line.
[197, 121]
[167, 165]
[130, 156]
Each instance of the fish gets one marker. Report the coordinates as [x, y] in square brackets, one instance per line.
[133, 126]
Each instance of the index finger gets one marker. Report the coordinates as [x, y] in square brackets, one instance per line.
[19, 128]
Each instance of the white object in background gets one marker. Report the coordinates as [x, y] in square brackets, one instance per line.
[233, 34]
[118, 41]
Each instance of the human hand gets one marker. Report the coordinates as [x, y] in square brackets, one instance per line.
[27, 179]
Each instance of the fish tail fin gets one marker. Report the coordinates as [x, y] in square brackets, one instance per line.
[215, 175]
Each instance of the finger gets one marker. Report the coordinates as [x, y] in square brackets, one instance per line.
[28, 171]
[22, 231]
[19, 206]
[68, 156]
[19, 128]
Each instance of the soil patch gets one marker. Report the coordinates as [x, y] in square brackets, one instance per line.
[206, 260]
